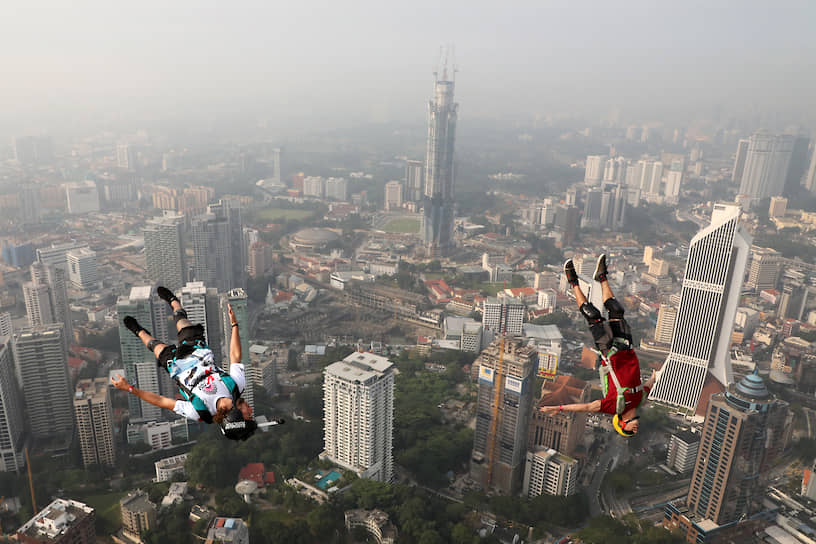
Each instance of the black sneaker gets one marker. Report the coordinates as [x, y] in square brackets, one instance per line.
[165, 294]
[132, 325]
[569, 271]
[600, 268]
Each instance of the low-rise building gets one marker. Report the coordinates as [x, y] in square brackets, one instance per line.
[138, 514]
[61, 522]
[169, 466]
[375, 522]
[227, 530]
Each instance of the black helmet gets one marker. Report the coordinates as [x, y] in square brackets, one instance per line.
[235, 427]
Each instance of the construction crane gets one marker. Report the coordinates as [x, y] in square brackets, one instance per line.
[494, 422]
[30, 483]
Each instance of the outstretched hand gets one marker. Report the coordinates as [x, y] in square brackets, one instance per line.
[549, 410]
[233, 321]
[120, 383]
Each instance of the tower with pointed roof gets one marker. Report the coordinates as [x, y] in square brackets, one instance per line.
[563, 431]
[745, 431]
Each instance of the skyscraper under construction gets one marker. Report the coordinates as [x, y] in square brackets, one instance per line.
[437, 220]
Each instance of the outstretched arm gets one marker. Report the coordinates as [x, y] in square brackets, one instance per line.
[152, 398]
[593, 406]
[235, 340]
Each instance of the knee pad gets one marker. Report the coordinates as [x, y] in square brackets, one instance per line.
[590, 312]
[152, 344]
[181, 313]
[614, 308]
[620, 329]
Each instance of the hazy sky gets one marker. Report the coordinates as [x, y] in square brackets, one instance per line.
[373, 59]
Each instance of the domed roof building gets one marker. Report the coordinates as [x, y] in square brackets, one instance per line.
[312, 239]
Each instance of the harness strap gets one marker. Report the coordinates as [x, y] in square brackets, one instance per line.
[620, 403]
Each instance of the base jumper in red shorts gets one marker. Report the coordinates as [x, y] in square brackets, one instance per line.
[613, 338]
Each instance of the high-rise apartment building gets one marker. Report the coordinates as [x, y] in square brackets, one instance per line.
[12, 415]
[82, 197]
[237, 298]
[798, 164]
[6, 325]
[439, 173]
[739, 161]
[358, 408]
[682, 451]
[165, 260]
[28, 199]
[503, 315]
[314, 186]
[94, 420]
[337, 189]
[393, 195]
[139, 363]
[138, 513]
[766, 265]
[125, 157]
[766, 165]
[595, 164]
[42, 366]
[809, 181]
[46, 298]
[712, 283]
[61, 522]
[37, 297]
[562, 431]
[218, 247]
[414, 176]
[82, 269]
[505, 399]
[548, 472]
[666, 318]
[54, 255]
[743, 434]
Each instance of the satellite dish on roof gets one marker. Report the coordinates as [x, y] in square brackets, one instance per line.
[246, 488]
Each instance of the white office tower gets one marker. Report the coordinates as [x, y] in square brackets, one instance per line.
[314, 186]
[682, 451]
[164, 250]
[337, 189]
[82, 197]
[82, 269]
[218, 246]
[414, 177]
[358, 421]
[548, 472]
[42, 366]
[237, 298]
[37, 297]
[718, 256]
[766, 165]
[739, 161]
[12, 415]
[393, 195]
[94, 419]
[503, 315]
[594, 169]
[139, 363]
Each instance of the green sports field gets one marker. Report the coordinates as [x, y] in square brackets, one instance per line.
[403, 225]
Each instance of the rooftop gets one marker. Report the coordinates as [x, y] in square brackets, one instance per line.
[360, 367]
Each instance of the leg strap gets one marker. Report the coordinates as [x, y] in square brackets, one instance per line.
[179, 314]
[152, 344]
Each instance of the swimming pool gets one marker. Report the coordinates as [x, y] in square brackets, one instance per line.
[329, 479]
